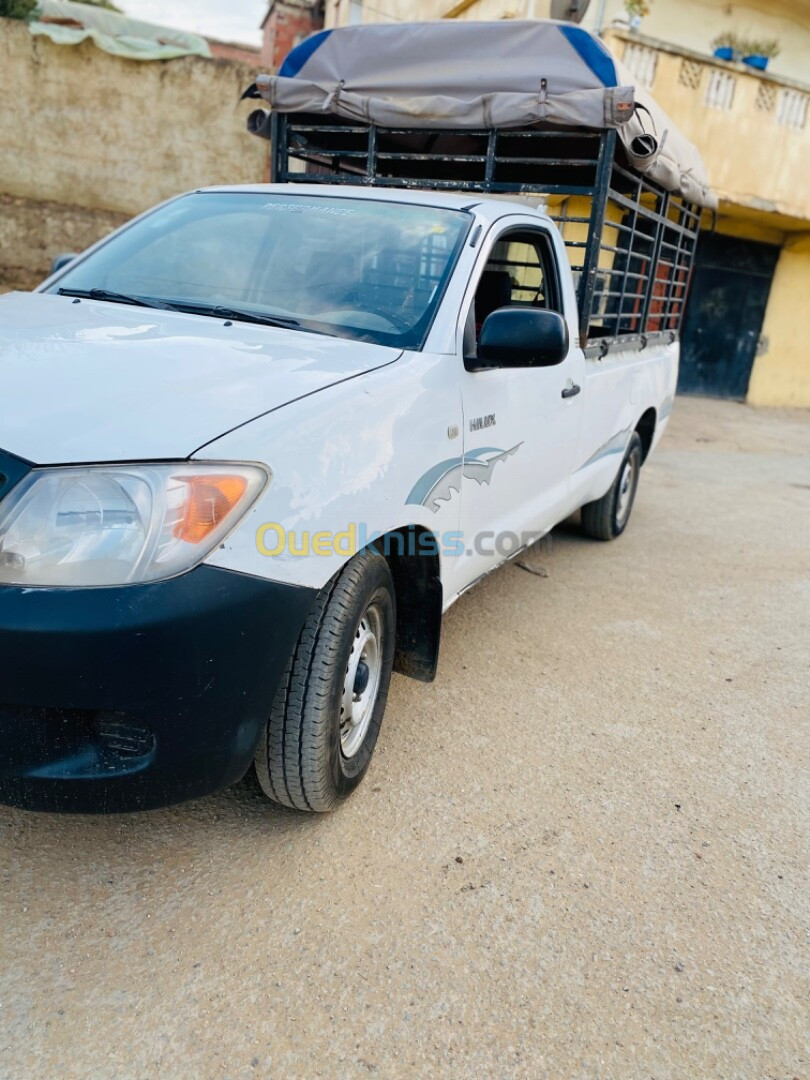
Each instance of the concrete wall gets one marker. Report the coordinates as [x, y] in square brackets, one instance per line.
[230, 50]
[93, 139]
[32, 232]
[781, 375]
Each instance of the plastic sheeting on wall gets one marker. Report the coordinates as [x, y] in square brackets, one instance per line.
[69, 23]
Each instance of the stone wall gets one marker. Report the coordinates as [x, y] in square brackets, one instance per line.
[32, 232]
[88, 140]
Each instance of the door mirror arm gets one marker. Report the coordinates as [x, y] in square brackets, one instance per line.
[62, 260]
[475, 363]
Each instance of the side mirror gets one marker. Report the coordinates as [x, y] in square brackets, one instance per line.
[62, 259]
[521, 337]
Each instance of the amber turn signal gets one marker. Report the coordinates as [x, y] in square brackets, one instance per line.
[209, 501]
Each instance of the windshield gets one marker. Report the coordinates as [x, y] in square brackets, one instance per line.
[355, 268]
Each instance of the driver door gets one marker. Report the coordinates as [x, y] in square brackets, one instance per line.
[521, 425]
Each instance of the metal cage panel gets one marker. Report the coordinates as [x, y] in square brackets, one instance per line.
[631, 244]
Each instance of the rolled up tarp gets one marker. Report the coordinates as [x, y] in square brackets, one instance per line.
[258, 123]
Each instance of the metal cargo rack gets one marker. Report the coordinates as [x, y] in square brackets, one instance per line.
[630, 242]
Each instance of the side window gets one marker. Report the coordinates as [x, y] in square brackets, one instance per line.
[523, 262]
[519, 273]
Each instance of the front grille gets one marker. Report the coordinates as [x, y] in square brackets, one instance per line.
[122, 736]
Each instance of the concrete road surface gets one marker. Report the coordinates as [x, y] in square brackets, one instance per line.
[581, 853]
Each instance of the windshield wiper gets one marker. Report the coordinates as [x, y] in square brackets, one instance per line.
[217, 310]
[118, 298]
[237, 314]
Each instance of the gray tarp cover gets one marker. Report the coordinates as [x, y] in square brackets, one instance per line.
[464, 74]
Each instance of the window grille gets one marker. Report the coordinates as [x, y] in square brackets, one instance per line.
[766, 97]
[690, 74]
[641, 62]
[720, 90]
[792, 111]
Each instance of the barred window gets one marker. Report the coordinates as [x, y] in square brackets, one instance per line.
[720, 90]
[642, 62]
[792, 111]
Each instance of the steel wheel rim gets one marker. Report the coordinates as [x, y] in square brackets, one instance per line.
[627, 483]
[362, 682]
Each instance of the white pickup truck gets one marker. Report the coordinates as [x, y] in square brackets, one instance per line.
[254, 444]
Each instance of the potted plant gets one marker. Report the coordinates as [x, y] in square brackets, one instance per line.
[636, 10]
[757, 52]
[726, 46]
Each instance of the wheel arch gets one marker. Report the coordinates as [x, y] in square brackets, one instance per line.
[412, 554]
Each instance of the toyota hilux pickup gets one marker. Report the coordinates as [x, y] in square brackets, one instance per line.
[259, 439]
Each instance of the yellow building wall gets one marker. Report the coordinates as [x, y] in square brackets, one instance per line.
[752, 160]
[747, 230]
[781, 375]
[693, 24]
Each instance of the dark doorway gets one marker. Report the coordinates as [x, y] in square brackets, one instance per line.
[723, 320]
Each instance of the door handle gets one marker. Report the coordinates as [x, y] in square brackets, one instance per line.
[571, 391]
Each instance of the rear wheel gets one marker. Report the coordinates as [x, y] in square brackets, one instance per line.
[324, 723]
[607, 518]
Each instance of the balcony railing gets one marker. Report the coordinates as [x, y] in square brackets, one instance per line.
[753, 128]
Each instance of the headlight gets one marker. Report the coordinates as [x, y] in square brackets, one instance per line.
[119, 524]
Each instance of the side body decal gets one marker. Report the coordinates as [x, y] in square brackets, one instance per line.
[616, 444]
[437, 485]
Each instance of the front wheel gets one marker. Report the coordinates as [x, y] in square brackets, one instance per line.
[607, 518]
[324, 722]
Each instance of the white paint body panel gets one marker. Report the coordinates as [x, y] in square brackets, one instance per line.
[348, 430]
[94, 381]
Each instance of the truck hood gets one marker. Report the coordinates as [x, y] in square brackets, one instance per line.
[95, 381]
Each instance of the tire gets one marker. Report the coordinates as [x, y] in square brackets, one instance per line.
[607, 518]
[320, 735]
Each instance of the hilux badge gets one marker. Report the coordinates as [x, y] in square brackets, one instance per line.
[480, 422]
